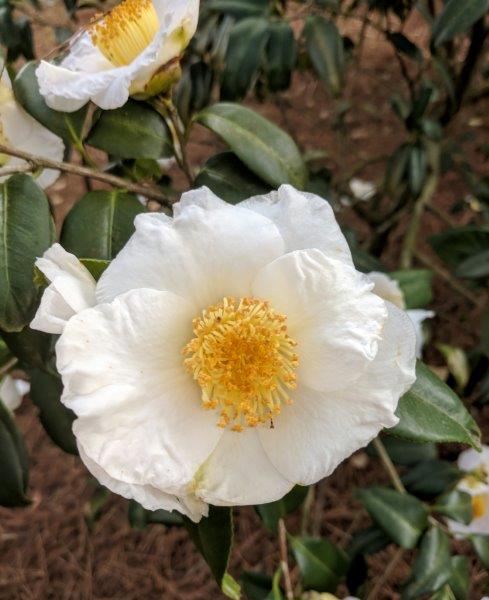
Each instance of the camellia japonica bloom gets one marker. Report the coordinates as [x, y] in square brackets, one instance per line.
[475, 465]
[124, 53]
[21, 131]
[388, 289]
[230, 353]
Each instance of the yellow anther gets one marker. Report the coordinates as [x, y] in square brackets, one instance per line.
[242, 359]
[123, 33]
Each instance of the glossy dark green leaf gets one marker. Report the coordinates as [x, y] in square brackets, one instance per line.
[239, 8]
[456, 505]
[459, 581]
[140, 518]
[246, 48]
[213, 537]
[456, 17]
[431, 412]
[417, 169]
[68, 126]
[324, 46]
[34, 349]
[321, 563]
[401, 516]
[27, 230]
[13, 462]
[230, 179]
[265, 148]
[272, 512]
[395, 175]
[457, 245]
[416, 285]
[368, 541]
[259, 586]
[281, 55]
[365, 262]
[432, 568]
[431, 478]
[407, 453]
[55, 417]
[475, 266]
[100, 224]
[133, 131]
[481, 546]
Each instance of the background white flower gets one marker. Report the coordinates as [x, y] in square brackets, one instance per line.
[12, 391]
[120, 57]
[233, 352]
[388, 289]
[476, 483]
[21, 131]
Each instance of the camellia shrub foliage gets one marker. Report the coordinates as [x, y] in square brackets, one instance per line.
[207, 336]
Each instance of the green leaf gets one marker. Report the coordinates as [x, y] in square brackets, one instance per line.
[56, 418]
[213, 537]
[432, 567]
[32, 348]
[431, 412]
[405, 46]
[444, 594]
[95, 266]
[475, 266]
[457, 363]
[239, 8]
[27, 230]
[133, 131]
[139, 517]
[259, 586]
[324, 46]
[456, 505]
[68, 125]
[99, 225]
[230, 179]
[481, 547]
[281, 55]
[13, 463]
[401, 516]
[407, 453]
[416, 285]
[417, 169]
[457, 245]
[265, 148]
[431, 478]
[272, 512]
[368, 541]
[246, 48]
[456, 17]
[459, 581]
[321, 563]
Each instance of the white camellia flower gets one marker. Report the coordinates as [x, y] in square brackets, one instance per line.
[476, 483]
[21, 131]
[120, 55]
[12, 391]
[389, 290]
[233, 352]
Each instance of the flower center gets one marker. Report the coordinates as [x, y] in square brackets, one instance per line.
[479, 505]
[244, 361]
[125, 31]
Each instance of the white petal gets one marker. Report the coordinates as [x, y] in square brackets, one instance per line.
[471, 460]
[10, 394]
[140, 416]
[319, 430]
[148, 496]
[362, 189]
[25, 133]
[72, 289]
[304, 220]
[202, 197]
[417, 317]
[202, 255]
[239, 472]
[331, 313]
[387, 288]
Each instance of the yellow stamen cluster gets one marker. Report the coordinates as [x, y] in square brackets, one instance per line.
[244, 361]
[125, 31]
[479, 505]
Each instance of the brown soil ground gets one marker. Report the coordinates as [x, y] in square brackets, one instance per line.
[49, 551]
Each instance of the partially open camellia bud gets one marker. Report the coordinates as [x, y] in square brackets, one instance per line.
[133, 50]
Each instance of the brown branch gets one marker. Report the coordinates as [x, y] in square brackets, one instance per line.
[113, 180]
[284, 562]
